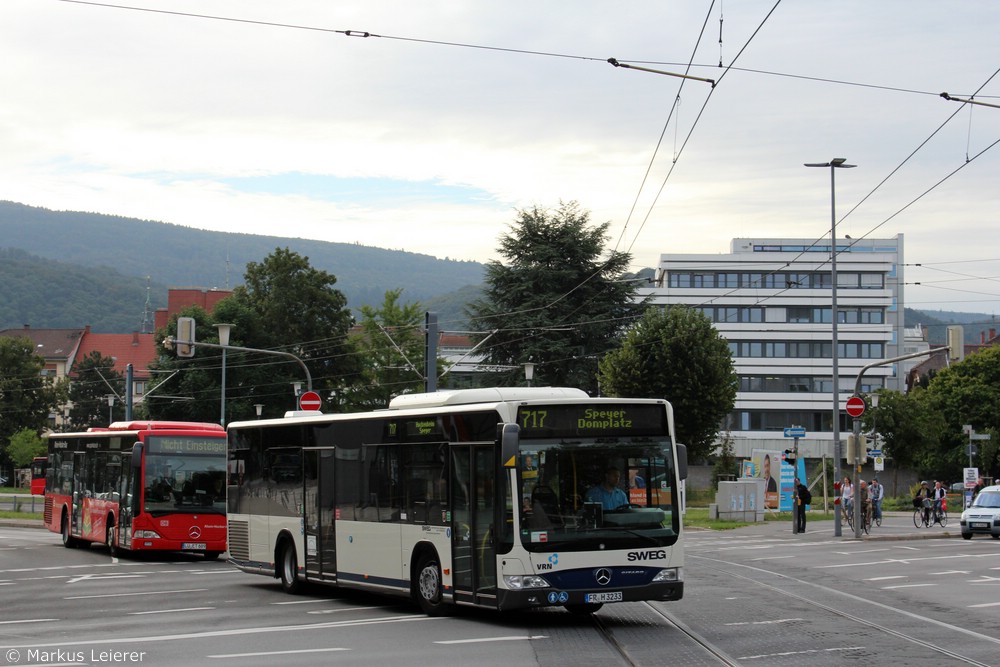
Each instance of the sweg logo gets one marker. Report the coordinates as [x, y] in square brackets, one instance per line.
[553, 560]
[646, 555]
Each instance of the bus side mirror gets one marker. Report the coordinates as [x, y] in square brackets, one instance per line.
[682, 461]
[509, 435]
[136, 456]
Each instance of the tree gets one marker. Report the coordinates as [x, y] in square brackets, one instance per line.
[27, 397]
[94, 378]
[909, 430]
[676, 354]
[556, 301]
[391, 347]
[285, 305]
[24, 446]
[967, 393]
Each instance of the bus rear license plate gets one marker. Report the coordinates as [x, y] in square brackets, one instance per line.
[199, 546]
[978, 524]
[615, 596]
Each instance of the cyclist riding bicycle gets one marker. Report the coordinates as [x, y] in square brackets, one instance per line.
[922, 499]
[939, 494]
[877, 493]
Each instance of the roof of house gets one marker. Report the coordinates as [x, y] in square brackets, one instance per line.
[138, 349]
[50, 344]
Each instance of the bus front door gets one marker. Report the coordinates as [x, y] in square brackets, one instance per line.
[79, 460]
[319, 508]
[473, 492]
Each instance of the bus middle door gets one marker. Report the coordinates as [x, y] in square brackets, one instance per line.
[319, 513]
[473, 501]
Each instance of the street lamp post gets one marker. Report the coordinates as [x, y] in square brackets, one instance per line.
[224, 330]
[111, 405]
[529, 371]
[834, 164]
[259, 407]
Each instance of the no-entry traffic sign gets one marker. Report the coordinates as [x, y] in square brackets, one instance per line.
[310, 400]
[855, 406]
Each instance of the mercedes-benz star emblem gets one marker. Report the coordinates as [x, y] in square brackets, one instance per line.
[603, 576]
[194, 533]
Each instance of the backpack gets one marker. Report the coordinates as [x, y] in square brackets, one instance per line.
[805, 497]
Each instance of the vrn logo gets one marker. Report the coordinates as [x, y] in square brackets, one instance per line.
[553, 560]
[646, 555]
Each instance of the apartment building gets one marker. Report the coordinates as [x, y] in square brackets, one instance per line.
[772, 299]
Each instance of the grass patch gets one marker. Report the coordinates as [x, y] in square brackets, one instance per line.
[697, 517]
[7, 514]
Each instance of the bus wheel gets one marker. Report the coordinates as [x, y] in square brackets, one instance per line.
[584, 609]
[212, 555]
[109, 538]
[429, 587]
[288, 566]
[68, 540]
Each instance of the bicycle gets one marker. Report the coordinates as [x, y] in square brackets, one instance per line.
[939, 515]
[921, 515]
[867, 517]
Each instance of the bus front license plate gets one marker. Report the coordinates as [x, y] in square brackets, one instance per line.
[198, 546]
[614, 596]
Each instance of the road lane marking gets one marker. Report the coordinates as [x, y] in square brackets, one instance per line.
[188, 636]
[775, 621]
[896, 576]
[788, 653]
[890, 588]
[985, 604]
[255, 655]
[124, 595]
[481, 640]
[168, 611]
[29, 620]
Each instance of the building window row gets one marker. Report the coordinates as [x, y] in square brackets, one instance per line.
[778, 420]
[804, 349]
[793, 314]
[781, 384]
[774, 280]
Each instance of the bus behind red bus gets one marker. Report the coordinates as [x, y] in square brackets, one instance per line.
[38, 468]
[139, 486]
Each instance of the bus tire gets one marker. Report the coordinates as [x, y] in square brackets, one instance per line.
[288, 566]
[429, 589]
[109, 536]
[68, 540]
[584, 609]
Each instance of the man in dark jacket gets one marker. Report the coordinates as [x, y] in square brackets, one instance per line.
[802, 498]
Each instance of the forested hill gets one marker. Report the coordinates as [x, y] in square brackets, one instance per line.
[127, 250]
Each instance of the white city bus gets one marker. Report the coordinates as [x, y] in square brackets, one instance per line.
[483, 497]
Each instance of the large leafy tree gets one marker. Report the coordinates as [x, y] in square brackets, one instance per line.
[24, 446]
[94, 379]
[909, 432]
[555, 299]
[968, 393]
[284, 306]
[26, 396]
[391, 345]
[676, 354]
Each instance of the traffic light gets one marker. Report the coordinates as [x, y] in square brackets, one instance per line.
[185, 336]
[863, 450]
[789, 454]
[956, 343]
[852, 448]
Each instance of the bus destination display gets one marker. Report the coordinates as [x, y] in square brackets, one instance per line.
[556, 421]
[185, 445]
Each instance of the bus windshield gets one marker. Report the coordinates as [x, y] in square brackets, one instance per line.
[184, 483]
[597, 493]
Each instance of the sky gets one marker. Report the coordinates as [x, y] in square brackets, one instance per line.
[431, 133]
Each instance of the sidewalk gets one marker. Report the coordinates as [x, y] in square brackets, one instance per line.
[895, 526]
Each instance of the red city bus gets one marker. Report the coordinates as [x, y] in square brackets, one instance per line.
[38, 467]
[139, 486]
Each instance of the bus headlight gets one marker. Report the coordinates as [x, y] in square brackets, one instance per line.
[517, 582]
[669, 574]
[146, 535]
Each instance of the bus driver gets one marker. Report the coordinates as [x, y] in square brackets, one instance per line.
[609, 494]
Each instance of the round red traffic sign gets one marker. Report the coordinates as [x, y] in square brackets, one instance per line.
[310, 400]
[855, 406]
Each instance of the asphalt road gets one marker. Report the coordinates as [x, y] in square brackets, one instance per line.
[759, 595]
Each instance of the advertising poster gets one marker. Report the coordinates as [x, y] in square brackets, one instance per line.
[767, 463]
